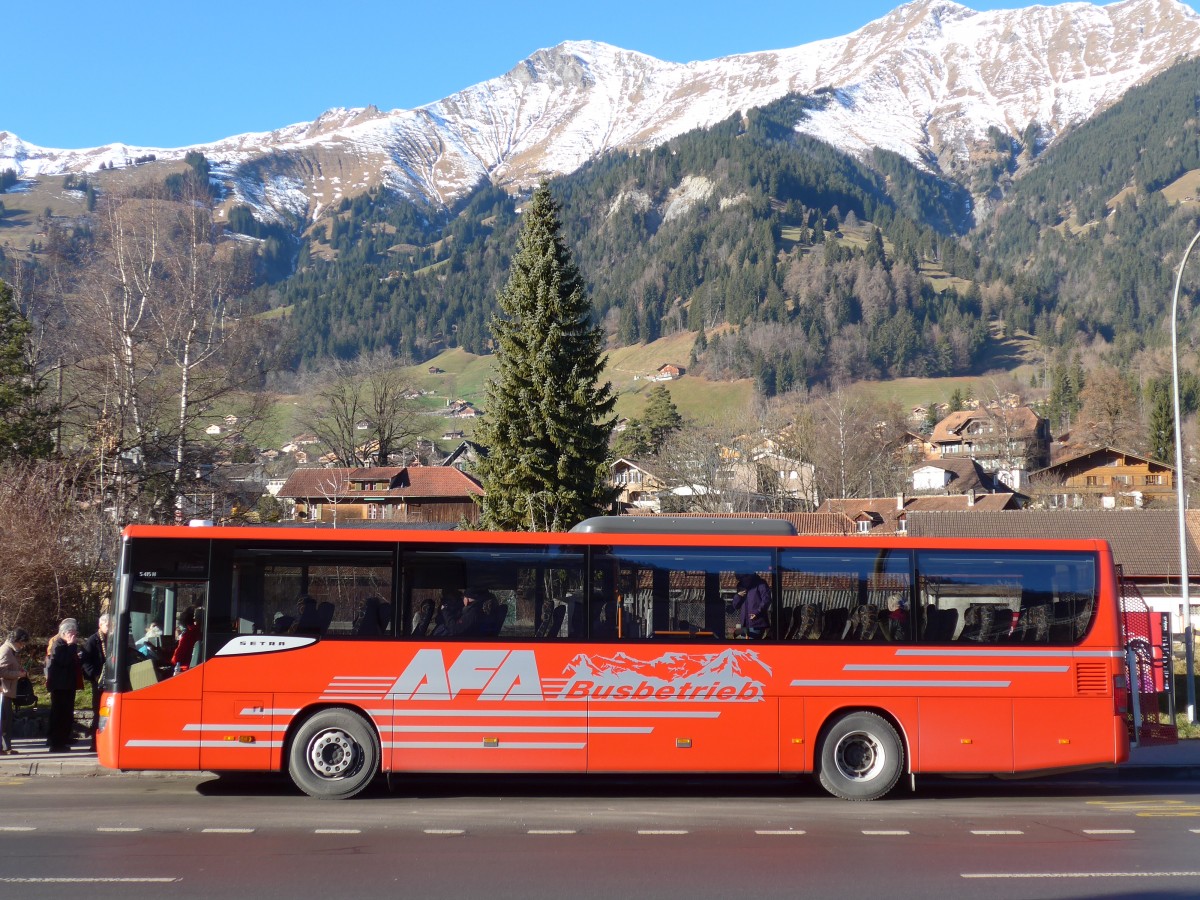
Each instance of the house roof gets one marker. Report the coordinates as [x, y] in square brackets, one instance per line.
[885, 512]
[409, 482]
[1144, 541]
[1071, 457]
[968, 475]
[1022, 420]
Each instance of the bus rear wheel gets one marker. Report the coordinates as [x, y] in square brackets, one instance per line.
[861, 757]
[334, 755]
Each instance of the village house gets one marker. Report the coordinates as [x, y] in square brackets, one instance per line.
[639, 487]
[955, 476]
[404, 494]
[669, 372]
[1104, 477]
[1007, 441]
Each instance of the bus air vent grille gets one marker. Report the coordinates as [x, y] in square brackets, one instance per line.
[1091, 678]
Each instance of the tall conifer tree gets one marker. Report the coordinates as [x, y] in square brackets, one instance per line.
[25, 427]
[548, 416]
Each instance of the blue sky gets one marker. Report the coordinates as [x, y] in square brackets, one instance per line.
[169, 74]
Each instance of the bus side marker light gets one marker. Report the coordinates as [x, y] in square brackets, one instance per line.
[246, 739]
[966, 741]
[1064, 740]
[683, 743]
[797, 740]
[491, 742]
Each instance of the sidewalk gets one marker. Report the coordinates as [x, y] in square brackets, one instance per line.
[1180, 760]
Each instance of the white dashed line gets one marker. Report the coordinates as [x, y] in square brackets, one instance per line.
[551, 831]
[116, 830]
[886, 833]
[88, 881]
[227, 831]
[780, 832]
[1109, 831]
[445, 831]
[17, 828]
[997, 832]
[659, 831]
[1079, 874]
[337, 831]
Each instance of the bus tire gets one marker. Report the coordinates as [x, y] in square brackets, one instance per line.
[334, 755]
[861, 757]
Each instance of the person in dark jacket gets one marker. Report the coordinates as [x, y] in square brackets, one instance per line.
[753, 606]
[92, 658]
[64, 676]
[468, 621]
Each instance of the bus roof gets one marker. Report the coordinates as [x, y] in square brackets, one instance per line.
[684, 525]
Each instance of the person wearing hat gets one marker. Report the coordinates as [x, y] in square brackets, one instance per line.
[64, 676]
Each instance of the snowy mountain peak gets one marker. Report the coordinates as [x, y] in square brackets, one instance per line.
[928, 80]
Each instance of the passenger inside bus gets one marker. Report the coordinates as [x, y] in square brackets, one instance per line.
[308, 621]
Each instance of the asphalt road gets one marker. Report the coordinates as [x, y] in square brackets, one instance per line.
[202, 836]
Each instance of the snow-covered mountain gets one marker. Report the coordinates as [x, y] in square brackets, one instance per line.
[928, 81]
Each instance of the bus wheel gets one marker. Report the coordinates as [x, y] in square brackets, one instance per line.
[861, 757]
[334, 755]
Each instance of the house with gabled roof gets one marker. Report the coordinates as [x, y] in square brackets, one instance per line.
[637, 485]
[955, 476]
[397, 494]
[1002, 439]
[1105, 477]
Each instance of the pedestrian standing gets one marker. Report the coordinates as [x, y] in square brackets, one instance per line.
[64, 676]
[10, 670]
[93, 658]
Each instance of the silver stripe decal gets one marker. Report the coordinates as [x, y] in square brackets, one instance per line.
[516, 729]
[904, 667]
[228, 745]
[475, 745]
[238, 726]
[987, 651]
[539, 714]
[899, 683]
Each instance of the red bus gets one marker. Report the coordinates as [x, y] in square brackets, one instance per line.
[336, 654]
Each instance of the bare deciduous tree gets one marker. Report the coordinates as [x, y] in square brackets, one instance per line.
[375, 395]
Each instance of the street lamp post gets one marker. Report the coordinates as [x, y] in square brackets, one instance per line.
[1189, 649]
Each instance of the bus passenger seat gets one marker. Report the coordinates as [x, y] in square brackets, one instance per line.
[808, 622]
[835, 624]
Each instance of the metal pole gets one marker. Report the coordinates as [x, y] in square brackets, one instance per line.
[1189, 649]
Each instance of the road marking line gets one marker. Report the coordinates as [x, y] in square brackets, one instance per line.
[552, 831]
[780, 832]
[88, 881]
[1079, 874]
[117, 829]
[1109, 831]
[17, 828]
[1194, 830]
[337, 831]
[997, 832]
[227, 831]
[659, 831]
[445, 831]
[886, 833]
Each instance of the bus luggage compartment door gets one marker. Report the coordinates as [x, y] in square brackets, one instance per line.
[237, 732]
